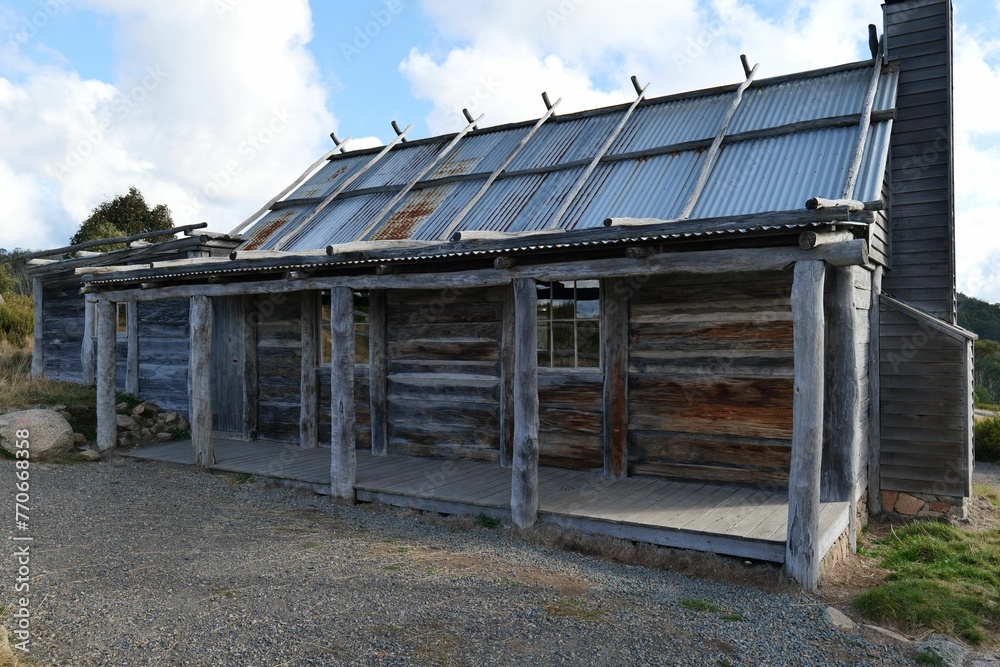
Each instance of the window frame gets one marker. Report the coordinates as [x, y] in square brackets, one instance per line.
[323, 330]
[548, 321]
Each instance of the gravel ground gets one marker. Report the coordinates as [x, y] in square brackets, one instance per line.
[138, 563]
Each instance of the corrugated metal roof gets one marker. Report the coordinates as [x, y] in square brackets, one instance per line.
[649, 170]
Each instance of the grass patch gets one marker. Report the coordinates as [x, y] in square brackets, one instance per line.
[941, 578]
[987, 492]
[243, 478]
[127, 398]
[930, 659]
[18, 391]
[17, 319]
[700, 605]
[573, 608]
[74, 457]
[311, 545]
[987, 433]
[732, 617]
[487, 521]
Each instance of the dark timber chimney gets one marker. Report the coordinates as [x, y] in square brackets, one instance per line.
[922, 187]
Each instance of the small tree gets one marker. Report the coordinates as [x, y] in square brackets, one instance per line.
[124, 215]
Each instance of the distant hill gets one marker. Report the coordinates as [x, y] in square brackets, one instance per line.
[980, 317]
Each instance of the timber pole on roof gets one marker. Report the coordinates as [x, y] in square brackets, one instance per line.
[200, 369]
[343, 458]
[524, 473]
[802, 549]
[107, 425]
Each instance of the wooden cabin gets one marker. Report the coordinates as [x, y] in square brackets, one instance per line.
[721, 320]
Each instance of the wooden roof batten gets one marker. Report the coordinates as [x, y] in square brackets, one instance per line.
[863, 126]
[117, 240]
[713, 151]
[319, 208]
[578, 186]
[387, 210]
[337, 148]
[460, 216]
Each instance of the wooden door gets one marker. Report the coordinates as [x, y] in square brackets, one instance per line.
[228, 364]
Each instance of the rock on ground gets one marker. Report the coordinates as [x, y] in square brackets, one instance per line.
[49, 435]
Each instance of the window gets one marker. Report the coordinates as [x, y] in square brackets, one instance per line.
[122, 315]
[360, 329]
[569, 324]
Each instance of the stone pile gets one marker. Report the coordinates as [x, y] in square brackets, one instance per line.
[146, 423]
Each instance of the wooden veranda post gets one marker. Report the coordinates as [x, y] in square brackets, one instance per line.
[378, 364]
[343, 458]
[614, 348]
[200, 369]
[132, 357]
[802, 557]
[309, 406]
[107, 328]
[88, 357]
[524, 475]
[38, 350]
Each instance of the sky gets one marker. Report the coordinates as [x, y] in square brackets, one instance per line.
[213, 106]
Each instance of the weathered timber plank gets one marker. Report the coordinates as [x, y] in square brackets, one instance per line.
[200, 382]
[378, 364]
[309, 359]
[615, 351]
[802, 558]
[524, 480]
[107, 428]
[343, 457]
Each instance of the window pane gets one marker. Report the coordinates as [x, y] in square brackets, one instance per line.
[588, 304]
[361, 343]
[562, 300]
[588, 341]
[544, 292]
[563, 347]
[544, 345]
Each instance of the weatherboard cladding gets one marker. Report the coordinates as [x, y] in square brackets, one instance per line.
[773, 173]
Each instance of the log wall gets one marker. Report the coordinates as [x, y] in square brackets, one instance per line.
[710, 378]
[279, 346]
[62, 331]
[164, 352]
[443, 382]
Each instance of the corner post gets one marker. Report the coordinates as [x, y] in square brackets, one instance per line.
[343, 458]
[200, 380]
[107, 329]
[309, 406]
[132, 358]
[844, 370]
[38, 349]
[875, 398]
[524, 480]
[802, 557]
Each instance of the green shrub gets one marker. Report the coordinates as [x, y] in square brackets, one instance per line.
[988, 440]
[17, 319]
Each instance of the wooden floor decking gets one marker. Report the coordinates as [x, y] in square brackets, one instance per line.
[721, 518]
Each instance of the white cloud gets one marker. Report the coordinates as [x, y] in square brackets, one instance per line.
[584, 51]
[215, 106]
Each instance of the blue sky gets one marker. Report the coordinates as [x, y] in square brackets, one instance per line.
[178, 97]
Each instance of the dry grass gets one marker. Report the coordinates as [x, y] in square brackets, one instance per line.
[19, 391]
